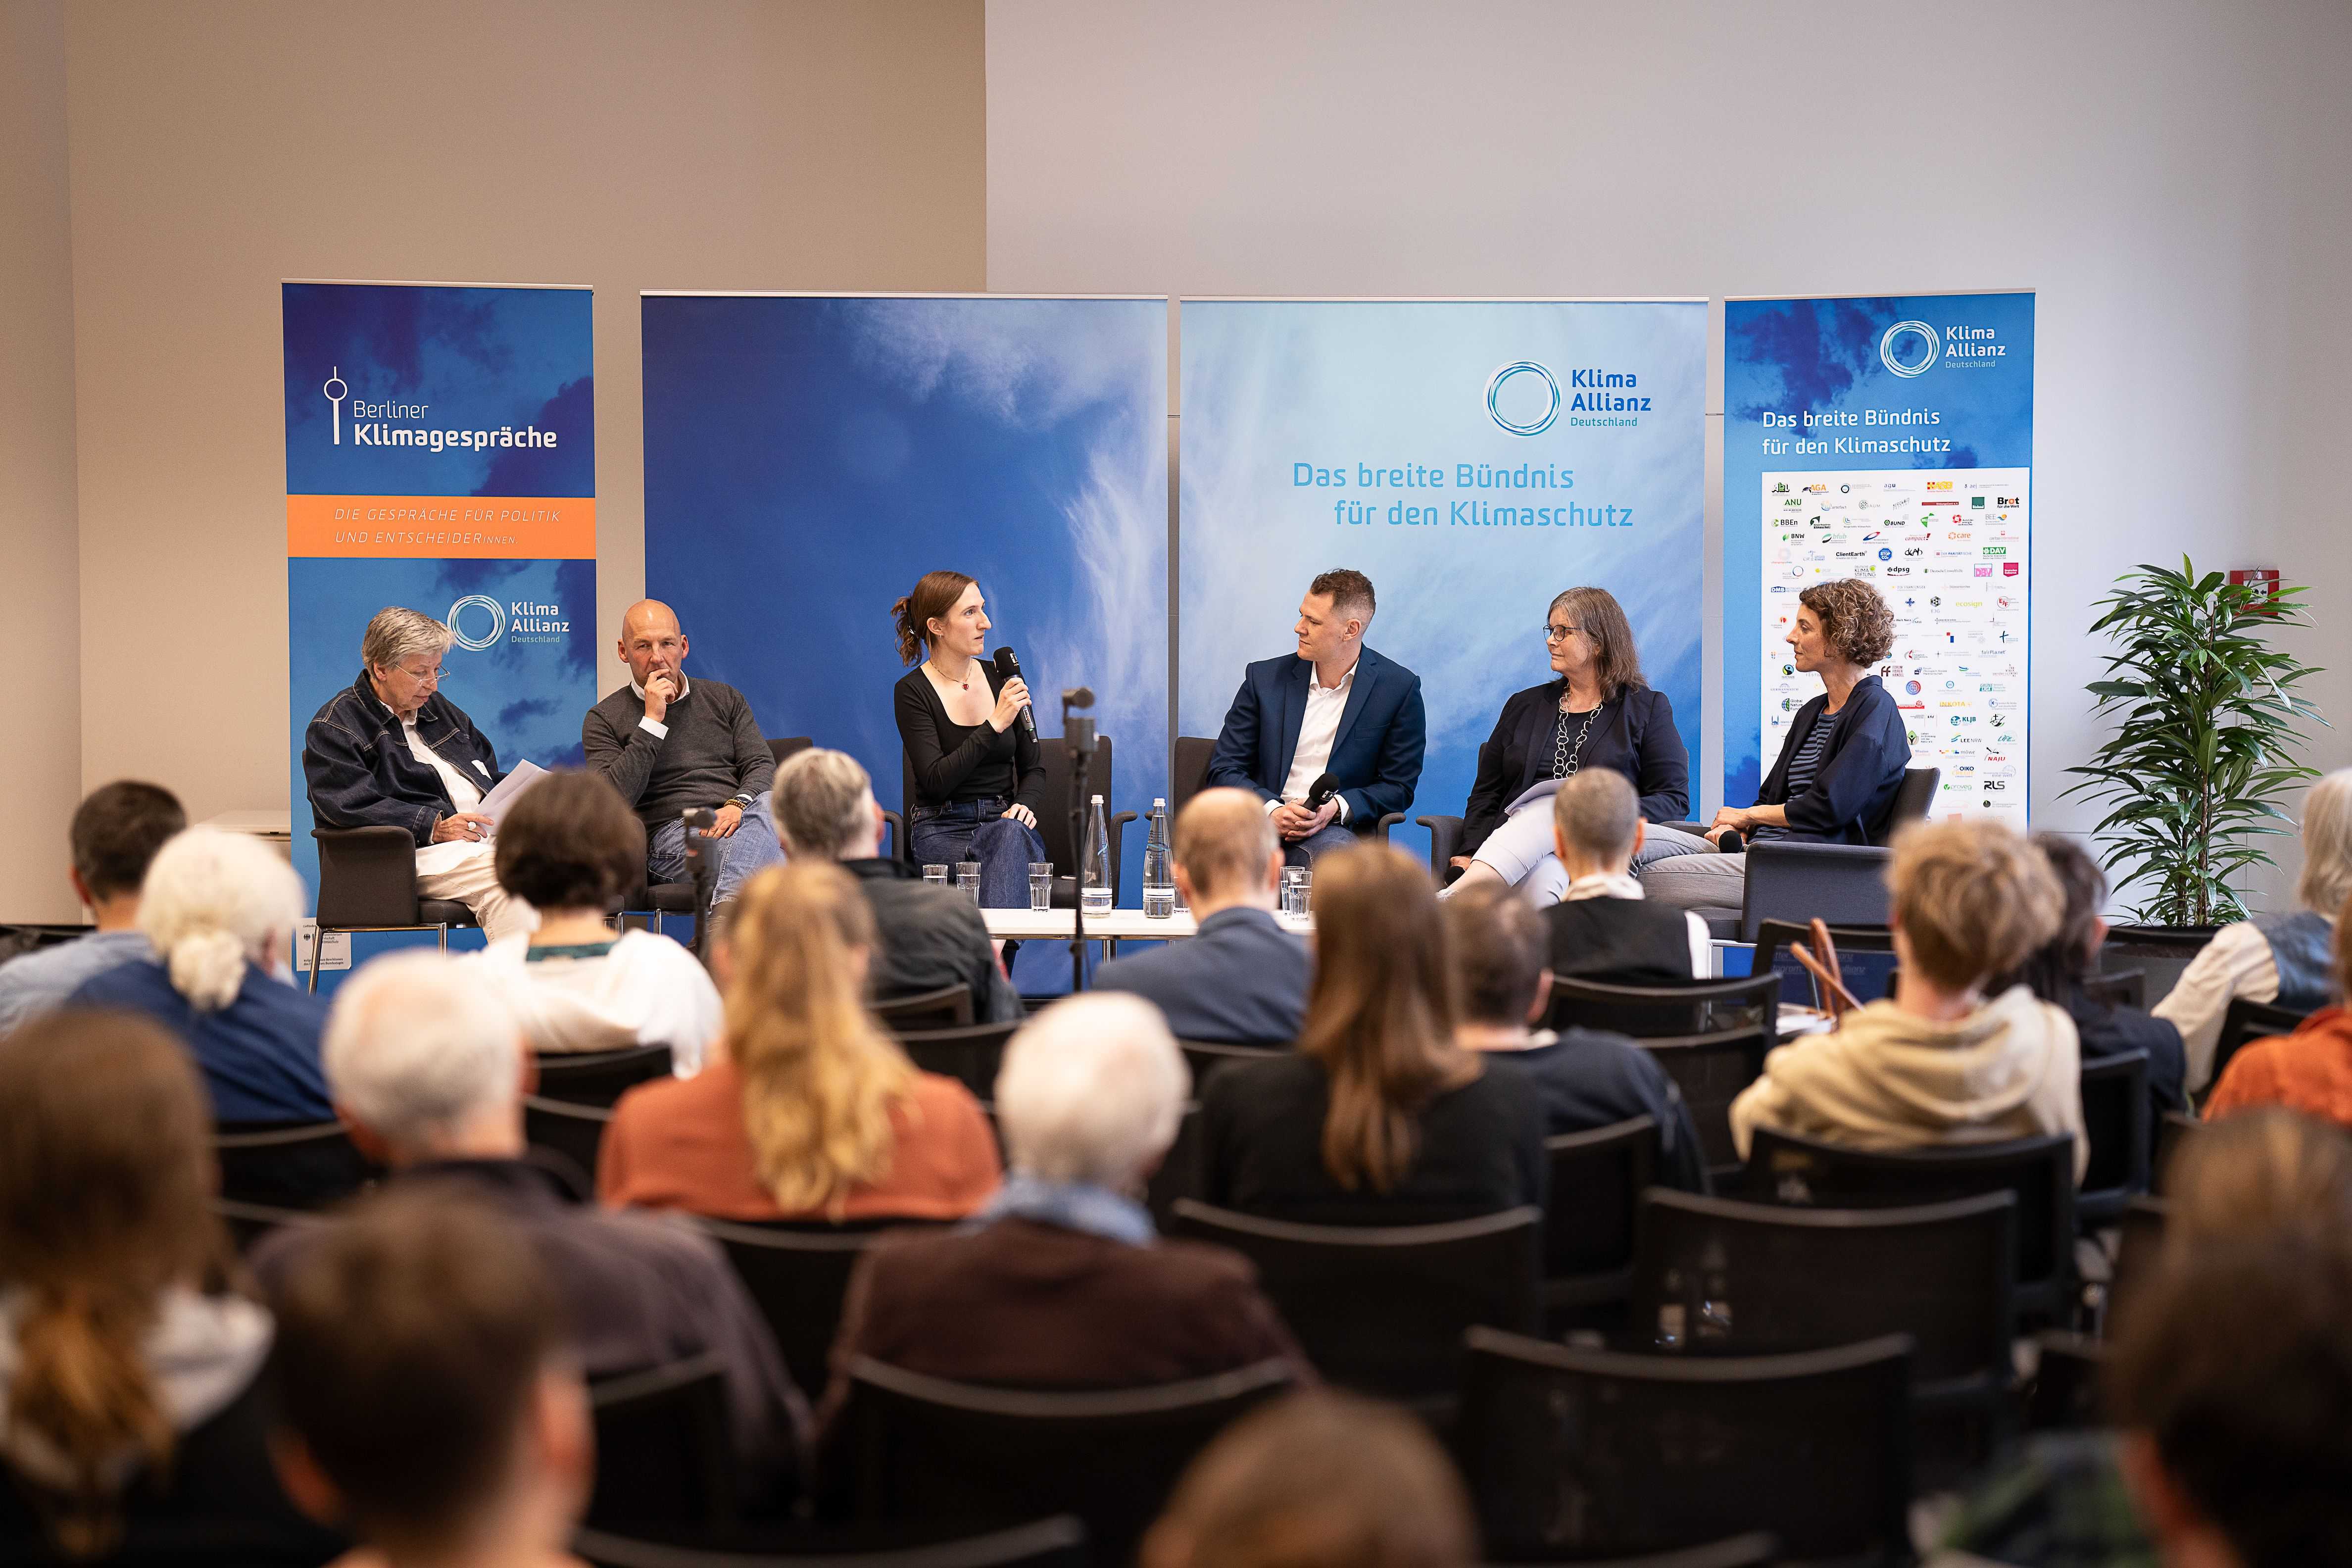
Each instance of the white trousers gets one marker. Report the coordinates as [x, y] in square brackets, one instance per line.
[472, 880]
[1520, 851]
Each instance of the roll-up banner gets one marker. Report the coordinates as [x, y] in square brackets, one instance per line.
[1473, 458]
[441, 456]
[1888, 438]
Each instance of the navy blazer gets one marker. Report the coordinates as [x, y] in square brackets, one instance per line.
[1242, 982]
[1376, 755]
[1634, 733]
[360, 772]
[1854, 787]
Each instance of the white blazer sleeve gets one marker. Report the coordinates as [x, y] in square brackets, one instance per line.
[2236, 962]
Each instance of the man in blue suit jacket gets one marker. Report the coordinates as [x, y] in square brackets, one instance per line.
[1243, 981]
[1334, 706]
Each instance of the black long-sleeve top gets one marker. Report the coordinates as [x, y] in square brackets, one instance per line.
[1634, 733]
[952, 762]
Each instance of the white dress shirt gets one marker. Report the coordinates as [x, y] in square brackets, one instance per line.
[1603, 886]
[464, 796]
[1317, 733]
[2236, 962]
[655, 727]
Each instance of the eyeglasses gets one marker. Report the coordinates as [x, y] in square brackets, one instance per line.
[432, 675]
[1560, 634]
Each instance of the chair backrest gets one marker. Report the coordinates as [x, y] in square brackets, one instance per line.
[2041, 1171]
[297, 1165]
[2118, 987]
[1188, 772]
[948, 1007]
[601, 1077]
[561, 1127]
[797, 1275]
[1756, 1549]
[1056, 1542]
[1381, 1307]
[1845, 884]
[664, 1455]
[2063, 1394]
[1597, 1179]
[249, 1223]
[783, 748]
[1865, 959]
[2172, 1134]
[1178, 1175]
[2116, 1122]
[1695, 1007]
[972, 1055]
[1710, 1070]
[1913, 797]
[1719, 1277]
[1585, 1452]
[2250, 1020]
[1053, 817]
[1205, 1056]
[924, 1448]
[2140, 1242]
[367, 875]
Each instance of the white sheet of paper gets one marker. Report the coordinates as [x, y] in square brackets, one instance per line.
[500, 800]
[1534, 793]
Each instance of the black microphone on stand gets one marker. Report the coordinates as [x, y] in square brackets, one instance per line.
[1009, 668]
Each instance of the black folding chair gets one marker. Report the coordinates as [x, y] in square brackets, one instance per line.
[1188, 772]
[797, 1275]
[1865, 960]
[1205, 1056]
[1785, 1169]
[1178, 1175]
[2249, 1020]
[1597, 1178]
[2172, 1134]
[295, 1166]
[1710, 1070]
[949, 1007]
[925, 1447]
[1381, 1307]
[599, 1078]
[2137, 1248]
[2063, 1395]
[249, 1223]
[576, 1132]
[1582, 1453]
[1056, 1542]
[2118, 987]
[367, 882]
[2115, 1121]
[665, 1455]
[1653, 1012]
[972, 1055]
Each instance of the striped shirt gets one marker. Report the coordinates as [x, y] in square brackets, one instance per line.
[1801, 769]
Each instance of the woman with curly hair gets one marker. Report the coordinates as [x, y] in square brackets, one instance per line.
[1839, 768]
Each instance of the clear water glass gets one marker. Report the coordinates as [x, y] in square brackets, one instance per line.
[936, 874]
[1294, 890]
[1041, 885]
[968, 881]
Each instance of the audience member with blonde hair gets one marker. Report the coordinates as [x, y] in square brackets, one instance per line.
[571, 848]
[1942, 1062]
[219, 908]
[1380, 1117]
[2309, 1071]
[806, 1110]
[1321, 1479]
[2283, 958]
[128, 1366]
[1242, 980]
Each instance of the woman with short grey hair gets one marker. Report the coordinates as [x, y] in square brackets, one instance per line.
[2283, 958]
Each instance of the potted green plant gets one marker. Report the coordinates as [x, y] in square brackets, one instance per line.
[2205, 741]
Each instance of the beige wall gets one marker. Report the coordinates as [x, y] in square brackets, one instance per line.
[218, 149]
[38, 709]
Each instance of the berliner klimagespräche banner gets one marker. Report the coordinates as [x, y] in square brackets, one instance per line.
[441, 456]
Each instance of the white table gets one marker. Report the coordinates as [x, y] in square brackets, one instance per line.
[1113, 927]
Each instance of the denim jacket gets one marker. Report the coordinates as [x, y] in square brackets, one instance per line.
[360, 772]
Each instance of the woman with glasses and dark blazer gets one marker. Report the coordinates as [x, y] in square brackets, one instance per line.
[1597, 712]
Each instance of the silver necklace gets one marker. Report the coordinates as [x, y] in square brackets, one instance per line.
[1567, 757]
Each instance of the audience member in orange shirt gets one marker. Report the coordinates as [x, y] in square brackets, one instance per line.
[2309, 1071]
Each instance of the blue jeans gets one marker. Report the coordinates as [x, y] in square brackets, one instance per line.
[978, 830]
[1315, 846]
[742, 854]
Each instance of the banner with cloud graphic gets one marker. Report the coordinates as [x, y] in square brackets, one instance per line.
[1891, 439]
[1473, 458]
[809, 457]
[441, 455]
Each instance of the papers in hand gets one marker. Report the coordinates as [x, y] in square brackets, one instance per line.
[500, 800]
[1540, 790]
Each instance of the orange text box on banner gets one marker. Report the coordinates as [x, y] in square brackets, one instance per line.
[536, 528]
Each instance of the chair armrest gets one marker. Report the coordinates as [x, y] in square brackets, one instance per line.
[367, 875]
[1444, 841]
[1385, 823]
[900, 849]
[1118, 856]
[1696, 829]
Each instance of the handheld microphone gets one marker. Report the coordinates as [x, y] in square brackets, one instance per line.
[1320, 791]
[1009, 668]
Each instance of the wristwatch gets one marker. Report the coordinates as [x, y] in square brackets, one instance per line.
[741, 801]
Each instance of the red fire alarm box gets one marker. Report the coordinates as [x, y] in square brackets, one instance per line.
[2265, 578]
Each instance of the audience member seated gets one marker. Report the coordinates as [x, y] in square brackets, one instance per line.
[389, 751]
[2309, 1071]
[1941, 1062]
[1319, 1480]
[2280, 958]
[116, 831]
[128, 1401]
[216, 910]
[1585, 1078]
[1379, 1118]
[1060, 1281]
[927, 937]
[1242, 980]
[429, 1403]
[2061, 1500]
[428, 1069]
[1601, 929]
[2055, 972]
[807, 1110]
[568, 848]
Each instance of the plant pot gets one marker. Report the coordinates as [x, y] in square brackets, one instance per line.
[2167, 938]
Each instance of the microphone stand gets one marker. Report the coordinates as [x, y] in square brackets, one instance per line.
[1078, 743]
[698, 822]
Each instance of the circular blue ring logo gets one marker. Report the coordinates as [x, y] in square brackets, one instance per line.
[498, 621]
[1890, 348]
[1552, 405]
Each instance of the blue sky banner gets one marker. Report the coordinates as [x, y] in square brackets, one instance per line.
[1891, 439]
[809, 457]
[1473, 458]
[441, 455]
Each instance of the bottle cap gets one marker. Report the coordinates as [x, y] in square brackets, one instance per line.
[1098, 800]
